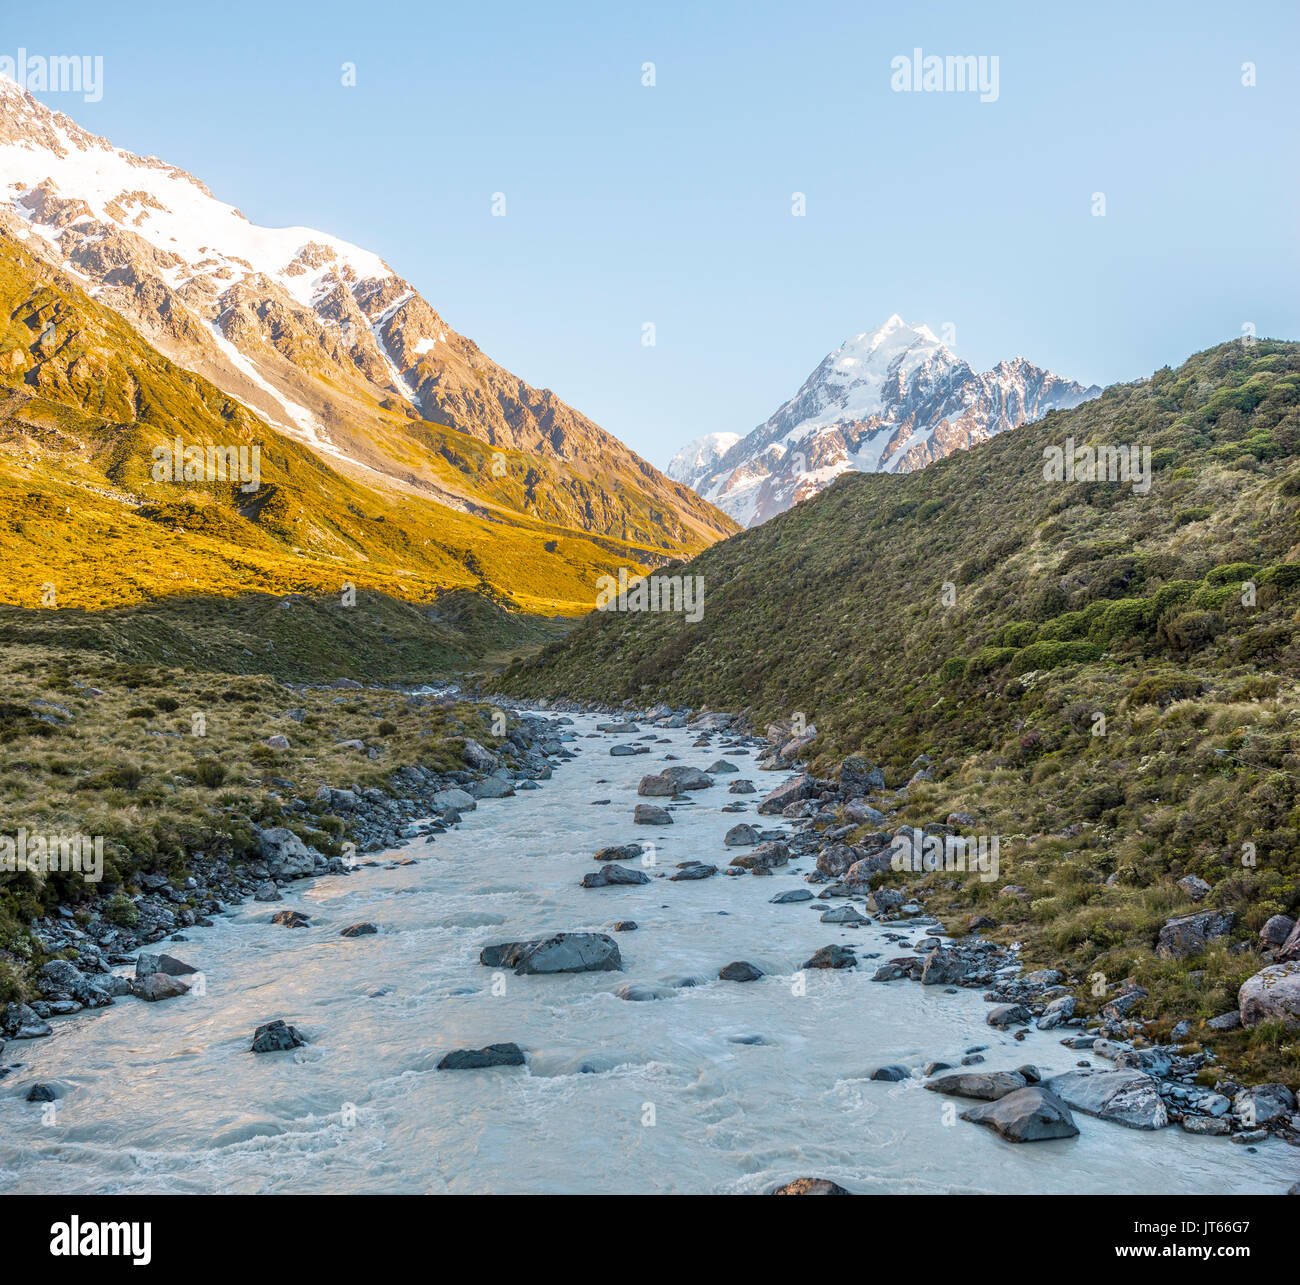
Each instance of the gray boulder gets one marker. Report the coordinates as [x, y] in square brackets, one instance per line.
[649, 814]
[740, 971]
[610, 875]
[1264, 1104]
[1273, 992]
[741, 836]
[285, 855]
[276, 1037]
[560, 953]
[1028, 1115]
[478, 1059]
[1190, 934]
[794, 790]
[859, 775]
[987, 1085]
[1130, 1098]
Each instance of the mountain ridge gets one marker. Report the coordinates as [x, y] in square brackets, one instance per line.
[889, 400]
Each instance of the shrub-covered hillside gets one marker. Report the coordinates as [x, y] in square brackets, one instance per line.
[1104, 676]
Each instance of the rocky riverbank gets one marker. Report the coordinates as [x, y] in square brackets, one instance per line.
[72, 952]
[848, 829]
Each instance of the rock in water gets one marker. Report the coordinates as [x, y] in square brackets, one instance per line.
[147, 965]
[477, 1059]
[276, 1037]
[832, 957]
[358, 930]
[1027, 1115]
[740, 971]
[741, 836]
[986, 1085]
[158, 986]
[609, 875]
[693, 870]
[792, 791]
[291, 919]
[648, 814]
[1129, 1098]
[892, 1074]
[811, 1187]
[561, 953]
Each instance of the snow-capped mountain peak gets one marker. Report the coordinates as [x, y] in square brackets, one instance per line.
[891, 400]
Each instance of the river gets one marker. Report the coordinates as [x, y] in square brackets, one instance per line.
[617, 1096]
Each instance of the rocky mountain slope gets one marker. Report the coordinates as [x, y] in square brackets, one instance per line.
[1104, 675]
[322, 340]
[888, 401]
[85, 524]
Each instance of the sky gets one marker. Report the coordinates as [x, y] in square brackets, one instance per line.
[672, 204]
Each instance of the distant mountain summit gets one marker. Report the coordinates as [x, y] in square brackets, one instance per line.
[887, 401]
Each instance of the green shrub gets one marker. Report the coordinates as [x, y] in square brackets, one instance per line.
[209, 772]
[953, 669]
[121, 910]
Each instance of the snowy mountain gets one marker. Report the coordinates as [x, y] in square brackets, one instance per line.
[697, 458]
[888, 401]
[319, 337]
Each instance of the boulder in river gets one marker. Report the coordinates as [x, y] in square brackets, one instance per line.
[1005, 1015]
[658, 786]
[741, 836]
[795, 894]
[156, 986]
[358, 930]
[722, 766]
[1130, 1098]
[276, 1037]
[687, 778]
[766, 856]
[622, 852]
[892, 1073]
[291, 919]
[560, 953]
[741, 787]
[22, 1022]
[1028, 1115]
[147, 965]
[843, 915]
[478, 1059]
[986, 1085]
[611, 874]
[811, 1187]
[740, 971]
[693, 870]
[649, 814]
[832, 957]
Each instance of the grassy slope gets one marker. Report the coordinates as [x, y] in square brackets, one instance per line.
[1071, 599]
[83, 402]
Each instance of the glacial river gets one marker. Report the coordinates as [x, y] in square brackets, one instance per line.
[617, 1096]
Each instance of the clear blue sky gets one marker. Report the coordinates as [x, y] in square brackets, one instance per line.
[672, 204]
